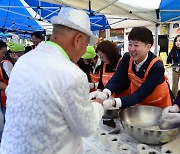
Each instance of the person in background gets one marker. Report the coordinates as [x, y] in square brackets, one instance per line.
[95, 72]
[109, 55]
[3, 50]
[143, 71]
[85, 61]
[92, 62]
[7, 64]
[174, 59]
[36, 38]
[48, 105]
[171, 114]
[16, 51]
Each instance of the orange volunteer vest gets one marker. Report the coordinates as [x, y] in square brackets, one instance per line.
[106, 76]
[95, 77]
[160, 96]
[5, 81]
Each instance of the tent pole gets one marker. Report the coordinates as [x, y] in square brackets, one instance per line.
[156, 40]
[40, 8]
[156, 33]
[107, 34]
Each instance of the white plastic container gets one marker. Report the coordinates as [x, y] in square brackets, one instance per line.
[152, 151]
[113, 142]
[125, 149]
[142, 148]
[166, 151]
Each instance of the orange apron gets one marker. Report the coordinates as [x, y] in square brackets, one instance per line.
[106, 76]
[5, 81]
[160, 96]
[95, 77]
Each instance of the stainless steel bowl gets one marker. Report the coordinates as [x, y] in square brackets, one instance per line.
[139, 120]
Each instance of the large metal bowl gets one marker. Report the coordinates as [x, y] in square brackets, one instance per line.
[139, 120]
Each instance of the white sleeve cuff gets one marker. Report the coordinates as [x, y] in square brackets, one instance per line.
[118, 102]
[98, 111]
[107, 91]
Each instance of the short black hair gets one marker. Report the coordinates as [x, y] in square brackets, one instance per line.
[2, 44]
[37, 35]
[142, 34]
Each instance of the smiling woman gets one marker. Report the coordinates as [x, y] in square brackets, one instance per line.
[174, 59]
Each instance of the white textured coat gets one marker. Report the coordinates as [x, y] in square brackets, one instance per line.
[48, 106]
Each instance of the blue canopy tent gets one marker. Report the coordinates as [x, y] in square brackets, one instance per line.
[15, 18]
[47, 10]
[5, 35]
[169, 10]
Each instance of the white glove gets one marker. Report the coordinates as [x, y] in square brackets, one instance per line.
[96, 85]
[93, 94]
[108, 103]
[91, 85]
[98, 94]
[168, 110]
[102, 96]
[172, 118]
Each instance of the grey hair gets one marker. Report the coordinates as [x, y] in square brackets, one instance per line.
[58, 28]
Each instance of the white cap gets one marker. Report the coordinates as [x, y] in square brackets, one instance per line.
[75, 19]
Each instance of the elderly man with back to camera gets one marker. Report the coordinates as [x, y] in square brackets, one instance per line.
[48, 105]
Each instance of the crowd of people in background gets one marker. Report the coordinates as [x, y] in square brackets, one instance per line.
[65, 84]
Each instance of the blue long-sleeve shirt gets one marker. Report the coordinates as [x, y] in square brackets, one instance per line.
[120, 80]
[174, 58]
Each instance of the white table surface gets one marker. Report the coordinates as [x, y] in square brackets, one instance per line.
[94, 145]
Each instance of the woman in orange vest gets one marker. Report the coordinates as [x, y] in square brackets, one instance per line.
[3, 83]
[143, 71]
[16, 50]
[90, 65]
[110, 57]
[94, 72]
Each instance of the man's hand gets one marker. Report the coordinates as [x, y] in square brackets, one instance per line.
[98, 101]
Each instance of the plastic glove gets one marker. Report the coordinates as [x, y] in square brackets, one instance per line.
[172, 118]
[96, 85]
[169, 109]
[93, 94]
[98, 94]
[102, 95]
[91, 85]
[108, 103]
